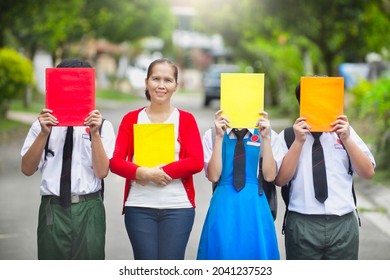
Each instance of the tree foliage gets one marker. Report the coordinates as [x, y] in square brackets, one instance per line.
[338, 28]
[51, 25]
[16, 73]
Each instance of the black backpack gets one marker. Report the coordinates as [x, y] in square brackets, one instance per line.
[268, 188]
[289, 137]
[48, 151]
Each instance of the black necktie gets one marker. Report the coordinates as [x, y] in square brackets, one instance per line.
[239, 160]
[319, 171]
[65, 186]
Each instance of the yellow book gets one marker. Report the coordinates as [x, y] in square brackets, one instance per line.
[242, 98]
[322, 100]
[154, 144]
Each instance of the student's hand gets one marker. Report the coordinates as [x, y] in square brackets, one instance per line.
[94, 121]
[46, 120]
[301, 129]
[341, 127]
[221, 123]
[264, 125]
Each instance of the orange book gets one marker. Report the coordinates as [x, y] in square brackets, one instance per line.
[322, 100]
[70, 93]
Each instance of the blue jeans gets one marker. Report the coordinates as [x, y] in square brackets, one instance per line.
[159, 234]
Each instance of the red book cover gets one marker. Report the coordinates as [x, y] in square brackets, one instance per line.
[70, 93]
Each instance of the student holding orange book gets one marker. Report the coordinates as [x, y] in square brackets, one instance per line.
[159, 201]
[321, 220]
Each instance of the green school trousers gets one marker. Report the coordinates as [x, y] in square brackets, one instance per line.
[321, 237]
[75, 233]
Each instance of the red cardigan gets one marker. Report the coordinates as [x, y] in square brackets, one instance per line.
[190, 155]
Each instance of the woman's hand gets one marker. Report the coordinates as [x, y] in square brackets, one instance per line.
[153, 174]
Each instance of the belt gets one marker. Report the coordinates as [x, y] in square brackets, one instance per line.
[74, 199]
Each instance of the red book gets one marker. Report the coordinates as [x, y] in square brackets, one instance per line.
[70, 93]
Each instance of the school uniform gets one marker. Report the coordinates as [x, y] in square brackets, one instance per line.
[328, 221]
[77, 232]
[238, 225]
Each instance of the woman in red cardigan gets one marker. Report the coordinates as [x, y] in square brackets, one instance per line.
[159, 202]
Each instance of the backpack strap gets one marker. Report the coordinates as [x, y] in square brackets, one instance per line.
[289, 138]
[47, 150]
[269, 189]
[350, 172]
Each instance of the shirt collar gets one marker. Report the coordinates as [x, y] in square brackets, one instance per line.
[251, 131]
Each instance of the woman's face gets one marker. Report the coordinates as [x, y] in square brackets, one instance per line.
[161, 83]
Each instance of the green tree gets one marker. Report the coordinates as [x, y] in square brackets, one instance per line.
[339, 29]
[16, 74]
[54, 25]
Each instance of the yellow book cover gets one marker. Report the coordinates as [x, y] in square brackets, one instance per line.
[242, 98]
[322, 100]
[154, 144]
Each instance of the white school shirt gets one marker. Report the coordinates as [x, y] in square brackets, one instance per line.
[340, 199]
[208, 144]
[83, 179]
[171, 196]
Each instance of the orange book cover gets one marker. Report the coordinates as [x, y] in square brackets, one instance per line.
[70, 93]
[322, 100]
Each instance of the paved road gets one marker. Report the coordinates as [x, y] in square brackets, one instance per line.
[19, 200]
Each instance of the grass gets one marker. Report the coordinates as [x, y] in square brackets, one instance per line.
[115, 95]
[382, 176]
[10, 129]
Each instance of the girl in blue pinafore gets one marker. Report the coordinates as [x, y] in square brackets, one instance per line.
[239, 224]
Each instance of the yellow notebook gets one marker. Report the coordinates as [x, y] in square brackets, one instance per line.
[322, 100]
[154, 144]
[242, 98]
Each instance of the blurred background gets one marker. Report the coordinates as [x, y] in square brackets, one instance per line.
[285, 39]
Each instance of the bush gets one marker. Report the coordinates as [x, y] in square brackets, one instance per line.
[373, 103]
[16, 74]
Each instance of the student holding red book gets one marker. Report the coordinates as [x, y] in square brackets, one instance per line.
[72, 161]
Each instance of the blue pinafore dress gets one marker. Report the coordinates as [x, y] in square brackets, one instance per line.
[239, 225]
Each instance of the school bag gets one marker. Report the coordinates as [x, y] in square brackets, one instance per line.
[268, 188]
[48, 151]
[289, 138]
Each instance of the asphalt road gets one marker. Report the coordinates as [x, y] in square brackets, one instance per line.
[19, 199]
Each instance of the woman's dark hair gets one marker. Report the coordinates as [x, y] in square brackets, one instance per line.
[73, 63]
[154, 63]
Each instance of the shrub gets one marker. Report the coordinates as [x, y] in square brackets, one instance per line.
[16, 73]
[373, 103]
